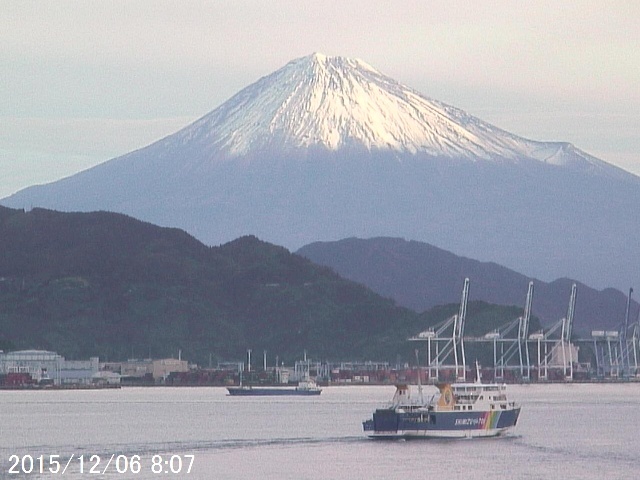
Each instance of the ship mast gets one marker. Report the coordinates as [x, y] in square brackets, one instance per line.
[420, 397]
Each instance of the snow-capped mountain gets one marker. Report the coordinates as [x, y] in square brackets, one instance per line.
[340, 103]
[327, 148]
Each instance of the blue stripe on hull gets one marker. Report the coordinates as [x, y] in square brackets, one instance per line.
[390, 424]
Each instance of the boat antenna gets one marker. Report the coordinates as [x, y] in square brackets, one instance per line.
[478, 374]
[420, 399]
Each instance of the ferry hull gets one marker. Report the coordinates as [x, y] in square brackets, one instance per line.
[389, 424]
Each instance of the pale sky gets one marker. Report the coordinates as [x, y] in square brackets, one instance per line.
[82, 82]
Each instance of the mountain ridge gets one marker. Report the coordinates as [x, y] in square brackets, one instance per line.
[565, 216]
[420, 276]
[104, 284]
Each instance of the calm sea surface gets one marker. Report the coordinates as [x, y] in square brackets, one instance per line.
[565, 432]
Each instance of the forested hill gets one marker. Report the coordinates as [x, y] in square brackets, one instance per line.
[86, 284]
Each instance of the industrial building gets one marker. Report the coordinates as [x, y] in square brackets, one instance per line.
[147, 370]
[45, 367]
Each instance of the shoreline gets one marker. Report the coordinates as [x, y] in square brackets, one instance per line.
[322, 384]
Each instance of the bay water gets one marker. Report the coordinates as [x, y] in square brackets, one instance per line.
[567, 431]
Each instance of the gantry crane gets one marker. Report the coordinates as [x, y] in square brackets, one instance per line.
[443, 346]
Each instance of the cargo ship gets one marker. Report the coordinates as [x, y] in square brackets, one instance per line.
[305, 387]
[457, 410]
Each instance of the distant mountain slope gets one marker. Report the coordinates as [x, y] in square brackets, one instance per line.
[420, 276]
[104, 284]
[327, 148]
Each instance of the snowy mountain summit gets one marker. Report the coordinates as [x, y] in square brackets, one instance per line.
[337, 102]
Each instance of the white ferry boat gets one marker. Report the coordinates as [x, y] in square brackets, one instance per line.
[458, 410]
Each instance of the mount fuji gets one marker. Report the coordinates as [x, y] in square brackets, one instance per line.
[328, 147]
